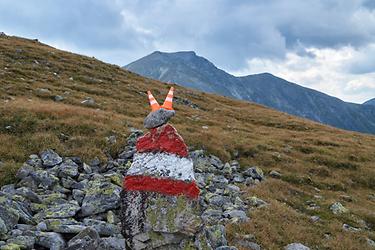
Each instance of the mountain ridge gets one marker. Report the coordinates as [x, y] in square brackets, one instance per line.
[369, 102]
[190, 70]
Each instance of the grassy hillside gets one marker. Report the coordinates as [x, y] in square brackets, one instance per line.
[319, 164]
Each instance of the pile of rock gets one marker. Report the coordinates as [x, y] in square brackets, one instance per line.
[62, 202]
[58, 201]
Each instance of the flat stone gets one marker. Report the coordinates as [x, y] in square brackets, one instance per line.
[158, 118]
[56, 211]
[64, 225]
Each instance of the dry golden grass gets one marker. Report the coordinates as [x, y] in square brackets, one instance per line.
[309, 155]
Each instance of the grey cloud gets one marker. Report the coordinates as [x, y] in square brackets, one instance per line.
[226, 32]
[364, 62]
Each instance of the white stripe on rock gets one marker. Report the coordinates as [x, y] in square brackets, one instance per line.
[162, 165]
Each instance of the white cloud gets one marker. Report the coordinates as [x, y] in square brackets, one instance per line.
[322, 69]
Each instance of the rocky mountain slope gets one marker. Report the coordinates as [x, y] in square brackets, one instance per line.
[323, 193]
[370, 102]
[190, 70]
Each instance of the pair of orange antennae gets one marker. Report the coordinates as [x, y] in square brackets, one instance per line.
[167, 103]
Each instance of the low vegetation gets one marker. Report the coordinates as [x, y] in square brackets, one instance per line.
[318, 163]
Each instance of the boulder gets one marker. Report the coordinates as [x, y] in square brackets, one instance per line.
[87, 239]
[49, 240]
[50, 158]
[25, 242]
[158, 118]
[254, 172]
[338, 208]
[166, 220]
[100, 197]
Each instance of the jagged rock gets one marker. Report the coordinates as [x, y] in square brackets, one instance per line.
[34, 161]
[133, 136]
[111, 243]
[100, 197]
[296, 246]
[238, 178]
[88, 239]
[24, 171]
[68, 168]
[8, 215]
[102, 227]
[3, 228]
[28, 194]
[50, 158]
[218, 201]
[216, 162]
[158, 118]
[78, 195]
[220, 181]
[26, 242]
[50, 240]
[338, 208]
[254, 172]
[216, 236]
[44, 178]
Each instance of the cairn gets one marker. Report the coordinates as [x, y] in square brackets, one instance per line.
[159, 200]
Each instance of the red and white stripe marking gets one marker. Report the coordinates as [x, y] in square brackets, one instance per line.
[162, 165]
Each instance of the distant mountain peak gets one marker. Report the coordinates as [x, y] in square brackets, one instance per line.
[193, 71]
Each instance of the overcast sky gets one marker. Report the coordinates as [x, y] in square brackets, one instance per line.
[328, 45]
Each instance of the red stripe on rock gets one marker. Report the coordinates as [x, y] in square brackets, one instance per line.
[161, 185]
[162, 139]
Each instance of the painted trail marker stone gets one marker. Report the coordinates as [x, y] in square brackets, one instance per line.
[159, 201]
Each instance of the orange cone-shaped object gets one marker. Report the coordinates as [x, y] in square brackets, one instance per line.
[168, 100]
[153, 103]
